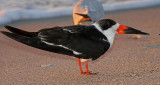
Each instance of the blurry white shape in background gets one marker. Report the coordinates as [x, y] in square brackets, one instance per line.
[93, 10]
[12, 10]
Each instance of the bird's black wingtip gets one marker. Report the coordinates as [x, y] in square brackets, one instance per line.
[2, 31]
[5, 33]
[6, 26]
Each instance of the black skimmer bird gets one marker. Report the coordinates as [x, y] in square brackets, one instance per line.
[82, 41]
[87, 10]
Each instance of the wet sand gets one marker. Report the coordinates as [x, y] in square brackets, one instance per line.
[129, 62]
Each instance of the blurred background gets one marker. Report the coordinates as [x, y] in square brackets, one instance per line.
[11, 10]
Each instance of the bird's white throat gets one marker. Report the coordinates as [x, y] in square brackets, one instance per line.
[109, 33]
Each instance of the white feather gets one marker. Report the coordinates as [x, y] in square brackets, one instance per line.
[68, 30]
[74, 52]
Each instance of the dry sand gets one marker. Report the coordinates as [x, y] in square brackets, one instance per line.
[128, 62]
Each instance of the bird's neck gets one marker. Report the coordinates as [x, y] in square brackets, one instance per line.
[109, 33]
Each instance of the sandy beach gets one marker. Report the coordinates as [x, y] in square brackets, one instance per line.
[129, 62]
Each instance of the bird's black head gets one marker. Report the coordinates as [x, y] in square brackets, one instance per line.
[106, 23]
[110, 24]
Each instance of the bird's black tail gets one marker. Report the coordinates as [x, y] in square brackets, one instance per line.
[37, 43]
[21, 32]
[22, 36]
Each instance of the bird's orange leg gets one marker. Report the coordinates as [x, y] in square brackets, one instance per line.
[88, 73]
[79, 61]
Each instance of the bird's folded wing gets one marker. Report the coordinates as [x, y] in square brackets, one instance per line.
[79, 39]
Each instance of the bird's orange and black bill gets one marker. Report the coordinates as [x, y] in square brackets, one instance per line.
[129, 30]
